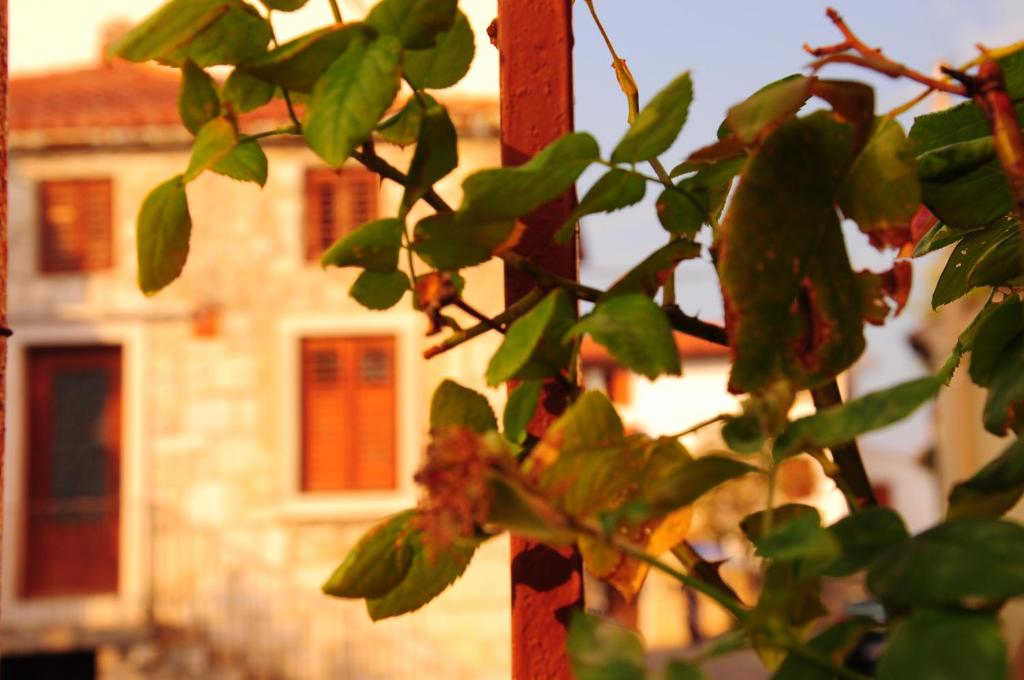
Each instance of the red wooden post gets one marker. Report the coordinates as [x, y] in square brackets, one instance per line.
[3, 246]
[535, 42]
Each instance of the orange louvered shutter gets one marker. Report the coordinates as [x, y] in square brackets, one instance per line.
[348, 414]
[336, 203]
[75, 225]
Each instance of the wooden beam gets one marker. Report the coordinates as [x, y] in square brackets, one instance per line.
[534, 38]
[4, 331]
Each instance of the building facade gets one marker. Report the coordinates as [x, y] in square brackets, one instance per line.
[185, 470]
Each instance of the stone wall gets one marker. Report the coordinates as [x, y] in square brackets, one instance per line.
[217, 415]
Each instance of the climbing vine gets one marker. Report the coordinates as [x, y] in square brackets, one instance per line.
[770, 189]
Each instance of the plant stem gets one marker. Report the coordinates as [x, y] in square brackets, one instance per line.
[729, 603]
[284, 91]
[701, 568]
[847, 456]
[521, 307]
[288, 130]
[336, 11]
[871, 58]
[369, 158]
[701, 425]
[694, 327]
[549, 279]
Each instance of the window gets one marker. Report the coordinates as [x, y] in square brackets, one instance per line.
[348, 413]
[336, 203]
[72, 510]
[74, 226]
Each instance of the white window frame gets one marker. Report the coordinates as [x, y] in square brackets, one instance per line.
[127, 607]
[355, 504]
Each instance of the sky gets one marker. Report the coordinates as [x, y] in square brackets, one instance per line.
[731, 47]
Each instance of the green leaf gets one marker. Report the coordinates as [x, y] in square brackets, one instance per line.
[416, 23]
[1003, 323]
[801, 539]
[648, 276]
[690, 482]
[351, 96]
[852, 101]
[403, 128]
[245, 92]
[519, 409]
[240, 34]
[781, 242]
[938, 237]
[933, 645]
[956, 560]
[372, 246]
[970, 256]
[993, 490]
[602, 650]
[588, 467]
[507, 193]
[864, 536]
[533, 344]
[840, 424]
[753, 524]
[515, 510]
[954, 161]
[636, 332]
[246, 163]
[379, 290]
[743, 434]
[616, 189]
[679, 670]
[377, 563]
[966, 199]
[447, 62]
[835, 643]
[172, 25]
[1003, 405]
[428, 576]
[298, 64]
[214, 142]
[681, 211]
[881, 193]
[284, 5]
[448, 241]
[198, 102]
[436, 154]
[162, 235]
[658, 124]
[454, 405]
[768, 106]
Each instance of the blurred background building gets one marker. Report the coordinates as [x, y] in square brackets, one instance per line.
[185, 471]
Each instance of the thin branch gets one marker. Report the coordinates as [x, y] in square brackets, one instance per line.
[550, 280]
[701, 425]
[692, 326]
[870, 58]
[336, 11]
[891, 69]
[724, 599]
[847, 456]
[284, 91]
[701, 568]
[479, 316]
[514, 311]
[369, 158]
[289, 130]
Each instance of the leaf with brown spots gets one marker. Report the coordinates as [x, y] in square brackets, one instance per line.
[793, 307]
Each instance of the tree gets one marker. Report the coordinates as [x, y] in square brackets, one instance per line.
[772, 189]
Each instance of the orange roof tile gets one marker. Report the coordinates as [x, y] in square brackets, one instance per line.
[689, 348]
[123, 96]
